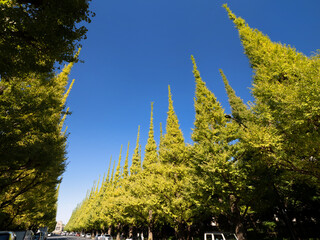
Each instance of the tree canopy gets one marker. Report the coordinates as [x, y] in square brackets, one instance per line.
[32, 147]
[36, 37]
[254, 171]
[37, 34]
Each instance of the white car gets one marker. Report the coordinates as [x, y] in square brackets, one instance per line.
[104, 237]
[88, 235]
[220, 236]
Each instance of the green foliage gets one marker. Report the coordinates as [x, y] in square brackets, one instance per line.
[136, 158]
[254, 172]
[240, 112]
[217, 162]
[32, 148]
[287, 99]
[151, 155]
[126, 164]
[35, 34]
[118, 173]
[283, 134]
[172, 145]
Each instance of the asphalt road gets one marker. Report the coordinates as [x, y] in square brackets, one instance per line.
[65, 238]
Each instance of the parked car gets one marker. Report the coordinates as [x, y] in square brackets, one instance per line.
[24, 235]
[7, 235]
[103, 237]
[88, 235]
[106, 237]
[83, 235]
[220, 236]
[39, 236]
[134, 238]
[44, 231]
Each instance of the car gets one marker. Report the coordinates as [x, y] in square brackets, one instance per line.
[88, 235]
[103, 237]
[97, 237]
[82, 235]
[108, 237]
[220, 236]
[7, 235]
[44, 232]
[39, 236]
[24, 235]
[134, 238]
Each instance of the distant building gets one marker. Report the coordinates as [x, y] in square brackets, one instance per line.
[59, 227]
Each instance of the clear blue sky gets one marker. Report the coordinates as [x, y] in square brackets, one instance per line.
[136, 48]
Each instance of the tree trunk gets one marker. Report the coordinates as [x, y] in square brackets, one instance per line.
[150, 235]
[118, 231]
[288, 222]
[189, 232]
[180, 232]
[150, 226]
[141, 236]
[118, 236]
[130, 232]
[237, 218]
[240, 230]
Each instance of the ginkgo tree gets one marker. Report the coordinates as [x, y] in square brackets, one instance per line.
[36, 34]
[254, 171]
[32, 145]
